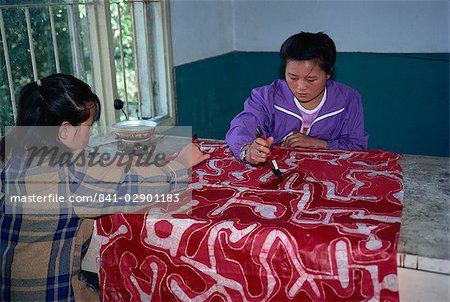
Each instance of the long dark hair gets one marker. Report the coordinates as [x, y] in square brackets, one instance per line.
[49, 102]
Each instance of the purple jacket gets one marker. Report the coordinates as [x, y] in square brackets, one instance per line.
[340, 120]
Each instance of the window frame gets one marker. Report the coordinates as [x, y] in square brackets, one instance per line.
[157, 52]
[103, 65]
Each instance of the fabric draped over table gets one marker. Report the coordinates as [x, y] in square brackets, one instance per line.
[327, 232]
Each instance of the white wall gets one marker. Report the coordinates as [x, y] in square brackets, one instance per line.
[207, 28]
[364, 25]
[201, 29]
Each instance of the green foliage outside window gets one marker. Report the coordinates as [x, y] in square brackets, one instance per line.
[19, 50]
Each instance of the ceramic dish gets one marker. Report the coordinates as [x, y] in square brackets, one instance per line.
[134, 130]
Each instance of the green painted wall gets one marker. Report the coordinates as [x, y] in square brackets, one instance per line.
[405, 96]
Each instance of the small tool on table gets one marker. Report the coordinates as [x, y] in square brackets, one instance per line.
[272, 162]
[195, 140]
[195, 137]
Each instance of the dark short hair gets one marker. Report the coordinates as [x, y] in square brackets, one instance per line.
[309, 46]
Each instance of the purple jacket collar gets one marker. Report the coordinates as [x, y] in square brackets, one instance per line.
[286, 98]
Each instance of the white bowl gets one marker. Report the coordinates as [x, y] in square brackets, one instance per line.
[134, 130]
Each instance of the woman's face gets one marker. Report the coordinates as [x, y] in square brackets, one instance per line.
[307, 80]
[77, 137]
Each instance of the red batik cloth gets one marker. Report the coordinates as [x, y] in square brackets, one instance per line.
[327, 232]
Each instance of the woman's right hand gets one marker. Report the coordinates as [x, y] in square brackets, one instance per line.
[258, 151]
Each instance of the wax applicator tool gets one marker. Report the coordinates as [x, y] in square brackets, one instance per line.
[272, 162]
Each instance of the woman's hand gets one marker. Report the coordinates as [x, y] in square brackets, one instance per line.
[191, 155]
[258, 151]
[300, 140]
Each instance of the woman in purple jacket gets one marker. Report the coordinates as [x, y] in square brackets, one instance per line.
[306, 110]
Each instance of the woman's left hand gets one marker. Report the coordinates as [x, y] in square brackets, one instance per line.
[300, 140]
[191, 155]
